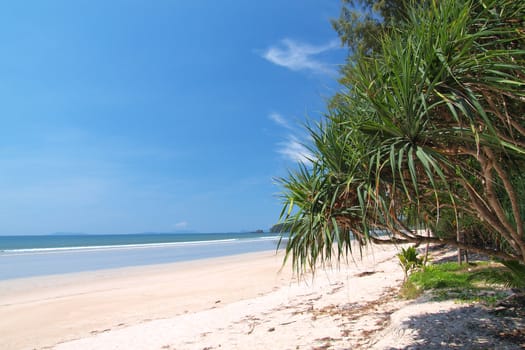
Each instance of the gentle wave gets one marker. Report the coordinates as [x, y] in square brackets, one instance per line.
[115, 247]
[25, 251]
[268, 238]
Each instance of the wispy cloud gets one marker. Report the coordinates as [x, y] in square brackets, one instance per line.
[297, 56]
[181, 225]
[294, 150]
[279, 120]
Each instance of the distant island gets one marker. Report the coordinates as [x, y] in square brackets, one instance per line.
[69, 234]
[280, 228]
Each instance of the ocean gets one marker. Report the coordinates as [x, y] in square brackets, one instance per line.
[29, 256]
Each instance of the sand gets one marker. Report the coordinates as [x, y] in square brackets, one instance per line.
[239, 302]
[43, 311]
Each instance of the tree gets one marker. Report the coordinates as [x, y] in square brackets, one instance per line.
[360, 26]
[362, 23]
[430, 130]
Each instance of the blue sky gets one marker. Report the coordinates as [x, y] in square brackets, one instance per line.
[158, 116]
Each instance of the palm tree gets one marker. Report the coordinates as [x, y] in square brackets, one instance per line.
[431, 130]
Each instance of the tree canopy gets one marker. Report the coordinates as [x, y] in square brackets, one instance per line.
[361, 23]
[426, 141]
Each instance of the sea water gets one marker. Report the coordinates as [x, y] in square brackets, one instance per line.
[27, 256]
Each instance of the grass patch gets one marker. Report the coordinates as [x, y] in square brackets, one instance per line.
[464, 283]
[447, 275]
[409, 290]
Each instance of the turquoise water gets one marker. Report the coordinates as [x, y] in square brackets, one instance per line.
[59, 241]
[28, 256]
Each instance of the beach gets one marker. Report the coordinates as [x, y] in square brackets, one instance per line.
[42, 311]
[239, 302]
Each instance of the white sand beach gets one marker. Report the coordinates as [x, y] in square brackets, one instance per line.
[238, 302]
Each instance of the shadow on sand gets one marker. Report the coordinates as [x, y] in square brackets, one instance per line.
[468, 327]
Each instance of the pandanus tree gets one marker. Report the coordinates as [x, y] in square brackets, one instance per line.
[429, 133]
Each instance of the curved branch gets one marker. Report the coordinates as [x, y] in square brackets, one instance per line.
[425, 239]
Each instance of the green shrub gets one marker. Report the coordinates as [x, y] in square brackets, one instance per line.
[466, 283]
[441, 276]
[409, 260]
[409, 290]
[510, 275]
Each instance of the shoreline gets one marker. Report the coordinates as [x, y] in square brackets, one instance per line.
[205, 238]
[238, 302]
[42, 311]
[294, 314]
[59, 261]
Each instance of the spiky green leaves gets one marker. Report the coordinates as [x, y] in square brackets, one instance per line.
[431, 128]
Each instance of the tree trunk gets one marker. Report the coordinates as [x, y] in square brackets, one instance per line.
[459, 237]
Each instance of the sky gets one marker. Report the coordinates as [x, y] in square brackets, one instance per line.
[131, 116]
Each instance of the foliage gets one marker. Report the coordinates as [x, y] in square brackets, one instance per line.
[360, 26]
[361, 23]
[409, 260]
[454, 281]
[409, 290]
[439, 276]
[430, 131]
[511, 276]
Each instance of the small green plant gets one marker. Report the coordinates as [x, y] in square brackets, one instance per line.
[446, 275]
[409, 260]
[464, 283]
[409, 290]
[511, 275]
[470, 295]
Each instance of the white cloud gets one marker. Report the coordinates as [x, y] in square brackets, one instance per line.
[181, 225]
[295, 151]
[279, 120]
[293, 148]
[300, 56]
